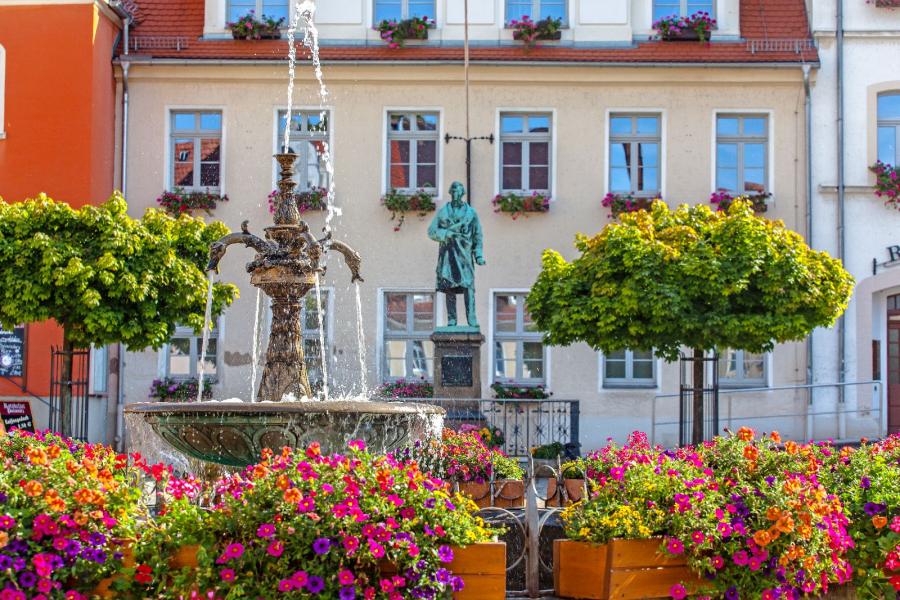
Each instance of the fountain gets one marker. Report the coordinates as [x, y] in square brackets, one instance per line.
[286, 267]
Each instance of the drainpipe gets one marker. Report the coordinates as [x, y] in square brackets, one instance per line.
[810, 422]
[842, 349]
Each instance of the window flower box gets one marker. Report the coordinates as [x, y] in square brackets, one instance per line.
[885, 3]
[178, 390]
[179, 201]
[395, 33]
[481, 566]
[405, 389]
[249, 28]
[529, 32]
[307, 200]
[505, 493]
[887, 181]
[400, 203]
[722, 199]
[517, 204]
[694, 28]
[623, 569]
[506, 391]
[623, 203]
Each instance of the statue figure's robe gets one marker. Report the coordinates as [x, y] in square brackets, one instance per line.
[458, 231]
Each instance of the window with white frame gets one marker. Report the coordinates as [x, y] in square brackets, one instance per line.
[409, 319]
[274, 9]
[398, 10]
[525, 140]
[196, 150]
[2, 90]
[629, 368]
[682, 8]
[412, 151]
[312, 342]
[309, 140]
[518, 346]
[742, 153]
[889, 128]
[183, 354]
[634, 154]
[536, 9]
[739, 368]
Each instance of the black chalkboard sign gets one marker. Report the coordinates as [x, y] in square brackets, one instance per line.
[16, 413]
[12, 352]
[456, 371]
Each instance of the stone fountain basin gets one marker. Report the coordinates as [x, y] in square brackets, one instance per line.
[234, 433]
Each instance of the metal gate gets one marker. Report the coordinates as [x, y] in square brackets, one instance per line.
[69, 393]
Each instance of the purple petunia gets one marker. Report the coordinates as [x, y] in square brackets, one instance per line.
[315, 584]
[321, 546]
[445, 554]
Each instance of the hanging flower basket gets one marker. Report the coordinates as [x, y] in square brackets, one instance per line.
[249, 28]
[178, 201]
[694, 28]
[623, 203]
[518, 204]
[307, 200]
[722, 199]
[529, 32]
[887, 181]
[395, 33]
[399, 203]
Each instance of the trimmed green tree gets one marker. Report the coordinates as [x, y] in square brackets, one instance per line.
[103, 276]
[661, 280]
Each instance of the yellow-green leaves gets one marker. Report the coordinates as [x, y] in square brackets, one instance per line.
[663, 279]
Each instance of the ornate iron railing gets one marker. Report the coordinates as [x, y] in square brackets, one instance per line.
[525, 423]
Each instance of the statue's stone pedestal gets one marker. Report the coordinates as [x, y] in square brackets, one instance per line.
[457, 362]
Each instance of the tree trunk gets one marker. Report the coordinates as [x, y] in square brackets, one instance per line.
[698, 363]
[65, 386]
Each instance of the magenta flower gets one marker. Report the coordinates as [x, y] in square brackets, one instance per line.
[275, 548]
[266, 530]
[226, 575]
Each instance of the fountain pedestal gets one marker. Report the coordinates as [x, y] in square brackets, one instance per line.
[457, 362]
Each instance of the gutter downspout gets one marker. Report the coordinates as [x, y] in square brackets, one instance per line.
[810, 422]
[841, 184]
[127, 18]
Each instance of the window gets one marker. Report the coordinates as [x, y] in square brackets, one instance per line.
[196, 150]
[99, 374]
[396, 10]
[634, 151]
[312, 348]
[276, 9]
[525, 140]
[536, 9]
[2, 90]
[409, 319]
[889, 128]
[518, 350]
[738, 368]
[742, 153]
[683, 8]
[412, 151]
[629, 368]
[183, 354]
[309, 141]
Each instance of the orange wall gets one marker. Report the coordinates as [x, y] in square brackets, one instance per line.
[60, 124]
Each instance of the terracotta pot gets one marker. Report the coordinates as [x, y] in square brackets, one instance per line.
[481, 566]
[621, 569]
[574, 491]
[507, 493]
[102, 590]
[185, 556]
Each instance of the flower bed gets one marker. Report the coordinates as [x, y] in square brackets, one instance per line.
[249, 27]
[399, 204]
[528, 31]
[518, 204]
[395, 33]
[887, 183]
[178, 390]
[723, 200]
[307, 200]
[179, 201]
[693, 28]
[623, 203]
[406, 389]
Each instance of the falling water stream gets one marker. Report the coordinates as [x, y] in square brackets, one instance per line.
[361, 342]
[254, 346]
[322, 346]
[204, 346]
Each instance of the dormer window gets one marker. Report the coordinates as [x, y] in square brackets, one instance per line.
[275, 9]
[682, 8]
[399, 10]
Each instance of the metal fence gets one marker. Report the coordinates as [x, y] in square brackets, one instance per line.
[69, 392]
[525, 423]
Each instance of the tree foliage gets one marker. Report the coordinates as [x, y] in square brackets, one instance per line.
[102, 275]
[662, 279]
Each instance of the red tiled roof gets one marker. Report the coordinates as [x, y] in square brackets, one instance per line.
[773, 31]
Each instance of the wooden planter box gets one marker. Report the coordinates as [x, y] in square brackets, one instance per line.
[186, 556]
[621, 569]
[507, 493]
[685, 36]
[482, 568]
[574, 490]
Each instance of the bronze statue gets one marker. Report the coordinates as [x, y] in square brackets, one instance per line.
[458, 231]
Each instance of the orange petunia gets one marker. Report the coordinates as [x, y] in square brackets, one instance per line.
[33, 488]
[776, 437]
[751, 453]
[53, 451]
[791, 447]
[37, 456]
[282, 483]
[745, 434]
[879, 521]
[292, 495]
[81, 519]
[4, 539]
[762, 538]
[260, 471]
[772, 513]
[54, 502]
[785, 524]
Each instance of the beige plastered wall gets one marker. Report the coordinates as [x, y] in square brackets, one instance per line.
[580, 99]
